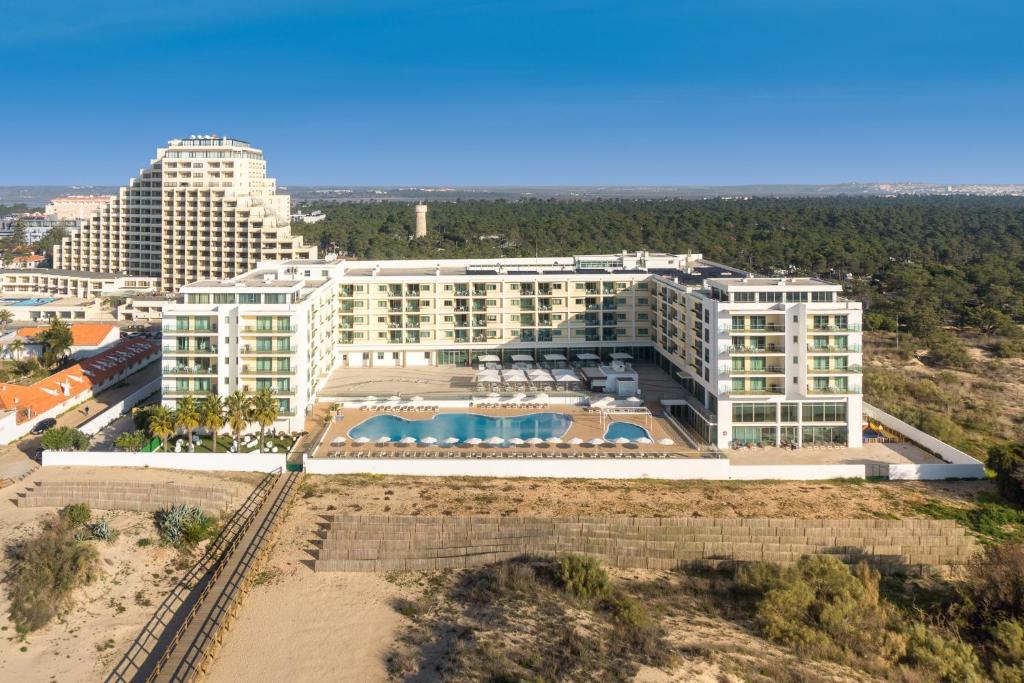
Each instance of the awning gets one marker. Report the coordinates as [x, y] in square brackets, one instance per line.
[490, 358]
[566, 376]
[554, 357]
[620, 356]
[540, 375]
[513, 375]
[587, 356]
[522, 358]
[487, 376]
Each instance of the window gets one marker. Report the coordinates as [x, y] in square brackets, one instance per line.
[245, 298]
[738, 364]
[821, 297]
[820, 362]
[753, 412]
[263, 344]
[769, 297]
[199, 298]
[824, 412]
[223, 298]
[794, 297]
[789, 412]
[264, 323]
[738, 384]
[743, 297]
[821, 322]
[275, 298]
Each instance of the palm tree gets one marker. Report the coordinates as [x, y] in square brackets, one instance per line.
[17, 346]
[5, 319]
[237, 413]
[186, 417]
[264, 410]
[161, 424]
[211, 416]
[58, 340]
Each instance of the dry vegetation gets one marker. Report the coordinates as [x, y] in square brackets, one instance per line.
[971, 408]
[372, 494]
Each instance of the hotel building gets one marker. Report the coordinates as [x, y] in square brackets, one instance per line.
[204, 209]
[758, 359]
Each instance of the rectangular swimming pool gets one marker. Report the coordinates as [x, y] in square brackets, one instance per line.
[463, 426]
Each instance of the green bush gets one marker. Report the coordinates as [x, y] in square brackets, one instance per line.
[45, 572]
[131, 441]
[1007, 460]
[950, 660]
[1006, 647]
[994, 589]
[583, 577]
[64, 439]
[76, 515]
[183, 526]
[822, 609]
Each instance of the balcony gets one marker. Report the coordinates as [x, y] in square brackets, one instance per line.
[175, 351]
[252, 329]
[848, 370]
[461, 291]
[188, 370]
[754, 329]
[773, 370]
[254, 351]
[852, 348]
[174, 329]
[833, 390]
[769, 348]
[247, 370]
[848, 327]
[749, 391]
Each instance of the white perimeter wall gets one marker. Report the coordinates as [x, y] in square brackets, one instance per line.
[115, 411]
[960, 465]
[218, 462]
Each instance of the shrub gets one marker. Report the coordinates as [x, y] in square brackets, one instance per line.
[635, 628]
[183, 526]
[102, 531]
[131, 441]
[1007, 651]
[76, 515]
[948, 659]
[64, 439]
[583, 577]
[1007, 460]
[45, 572]
[994, 589]
[820, 608]
[144, 542]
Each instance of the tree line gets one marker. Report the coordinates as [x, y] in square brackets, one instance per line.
[933, 262]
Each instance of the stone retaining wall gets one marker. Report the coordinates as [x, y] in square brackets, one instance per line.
[393, 543]
[139, 496]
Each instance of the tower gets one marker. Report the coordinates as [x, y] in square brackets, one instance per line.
[421, 220]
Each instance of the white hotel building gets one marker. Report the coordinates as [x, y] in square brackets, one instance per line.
[760, 359]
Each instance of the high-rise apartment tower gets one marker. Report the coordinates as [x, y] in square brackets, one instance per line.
[204, 209]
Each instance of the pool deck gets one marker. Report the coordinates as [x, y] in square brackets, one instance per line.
[585, 425]
[871, 453]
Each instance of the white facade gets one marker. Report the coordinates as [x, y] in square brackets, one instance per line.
[77, 207]
[763, 359]
[205, 208]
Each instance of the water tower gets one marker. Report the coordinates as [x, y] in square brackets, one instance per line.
[421, 220]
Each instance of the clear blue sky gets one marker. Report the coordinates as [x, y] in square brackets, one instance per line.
[466, 92]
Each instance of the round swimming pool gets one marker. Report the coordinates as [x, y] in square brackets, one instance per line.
[628, 430]
[463, 426]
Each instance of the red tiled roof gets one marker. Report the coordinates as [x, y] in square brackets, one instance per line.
[62, 386]
[82, 334]
[28, 259]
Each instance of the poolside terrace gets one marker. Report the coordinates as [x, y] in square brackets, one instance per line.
[586, 425]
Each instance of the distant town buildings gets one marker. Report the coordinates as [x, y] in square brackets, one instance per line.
[26, 262]
[77, 207]
[35, 226]
[312, 217]
[204, 209]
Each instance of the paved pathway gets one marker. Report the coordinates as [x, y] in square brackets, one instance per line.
[15, 458]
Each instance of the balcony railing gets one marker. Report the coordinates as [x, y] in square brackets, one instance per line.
[833, 390]
[852, 348]
[175, 351]
[247, 370]
[848, 327]
[274, 330]
[755, 392]
[174, 329]
[774, 370]
[753, 329]
[848, 370]
[252, 350]
[769, 348]
[188, 370]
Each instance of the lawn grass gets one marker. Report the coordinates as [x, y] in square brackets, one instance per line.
[224, 442]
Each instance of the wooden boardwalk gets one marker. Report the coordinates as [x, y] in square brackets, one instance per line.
[191, 637]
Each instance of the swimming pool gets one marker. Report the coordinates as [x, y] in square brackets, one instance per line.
[27, 302]
[627, 430]
[463, 426]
